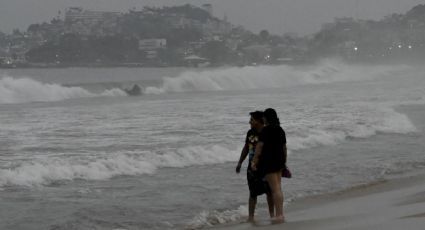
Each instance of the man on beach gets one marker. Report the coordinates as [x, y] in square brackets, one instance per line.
[256, 184]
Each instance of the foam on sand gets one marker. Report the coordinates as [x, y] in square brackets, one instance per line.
[213, 218]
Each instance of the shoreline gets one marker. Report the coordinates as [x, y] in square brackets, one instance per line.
[388, 204]
[295, 63]
[138, 65]
[395, 203]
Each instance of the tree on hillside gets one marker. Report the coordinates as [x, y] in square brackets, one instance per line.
[34, 28]
[215, 51]
[112, 48]
[3, 39]
[48, 52]
[178, 37]
[416, 13]
[71, 48]
[264, 36]
[189, 11]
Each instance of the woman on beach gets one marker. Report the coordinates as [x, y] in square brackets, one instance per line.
[270, 158]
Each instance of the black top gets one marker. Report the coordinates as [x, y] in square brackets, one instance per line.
[272, 157]
[251, 140]
[255, 181]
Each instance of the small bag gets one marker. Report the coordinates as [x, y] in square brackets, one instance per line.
[286, 173]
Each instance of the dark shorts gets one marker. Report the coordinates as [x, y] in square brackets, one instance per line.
[257, 185]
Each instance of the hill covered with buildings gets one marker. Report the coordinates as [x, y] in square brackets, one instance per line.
[188, 35]
[167, 36]
[395, 37]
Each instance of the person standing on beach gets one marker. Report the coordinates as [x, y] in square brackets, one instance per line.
[256, 184]
[270, 158]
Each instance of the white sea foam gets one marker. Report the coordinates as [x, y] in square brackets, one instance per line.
[341, 126]
[115, 92]
[308, 123]
[259, 77]
[22, 90]
[47, 170]
[44, 171]
[211, 218]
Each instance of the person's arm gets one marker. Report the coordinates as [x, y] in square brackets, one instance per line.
[285, 149]
[258, 151]
[244, 153]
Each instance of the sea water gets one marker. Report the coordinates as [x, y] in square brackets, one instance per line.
[77, 153]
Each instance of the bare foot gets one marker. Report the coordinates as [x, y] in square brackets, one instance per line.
[278, 220]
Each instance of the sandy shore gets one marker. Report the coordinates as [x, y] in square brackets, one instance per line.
[395, 204]
[390, 205]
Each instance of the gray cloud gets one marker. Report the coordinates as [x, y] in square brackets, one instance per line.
[278, 16]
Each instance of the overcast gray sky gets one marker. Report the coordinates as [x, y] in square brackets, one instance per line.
[277, 16]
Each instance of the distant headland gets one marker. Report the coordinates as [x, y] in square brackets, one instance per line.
[192, 36]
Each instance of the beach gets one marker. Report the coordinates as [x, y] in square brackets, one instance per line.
[390, 204]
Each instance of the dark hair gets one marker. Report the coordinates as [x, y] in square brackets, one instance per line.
[257, 115]
[271, 116]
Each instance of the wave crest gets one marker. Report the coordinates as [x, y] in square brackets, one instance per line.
[259, 77]
[49, 170]
[23, 90]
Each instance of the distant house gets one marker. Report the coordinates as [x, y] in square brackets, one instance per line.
[176, 21]
[89, 22]
[216, 27]
[6, 59]
[151, 46]
[3, 57]
[258, 53]
[18, 53]
[3, 54]
[74, 14]
[196, 61]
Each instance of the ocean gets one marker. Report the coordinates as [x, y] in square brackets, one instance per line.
[77, 153]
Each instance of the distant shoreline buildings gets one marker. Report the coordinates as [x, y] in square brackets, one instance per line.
[188, 35]
[89, 22]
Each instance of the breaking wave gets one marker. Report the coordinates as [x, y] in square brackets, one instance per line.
[50, 170]
[305, 134]
[379, 119]
[258, 77]
[24, 90]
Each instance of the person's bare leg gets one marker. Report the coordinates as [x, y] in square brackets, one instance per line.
[280, 205]
[251, 208]
[270, 204]
[274, 181]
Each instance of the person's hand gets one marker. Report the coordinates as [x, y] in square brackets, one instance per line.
[238, 168]
[254, 165]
